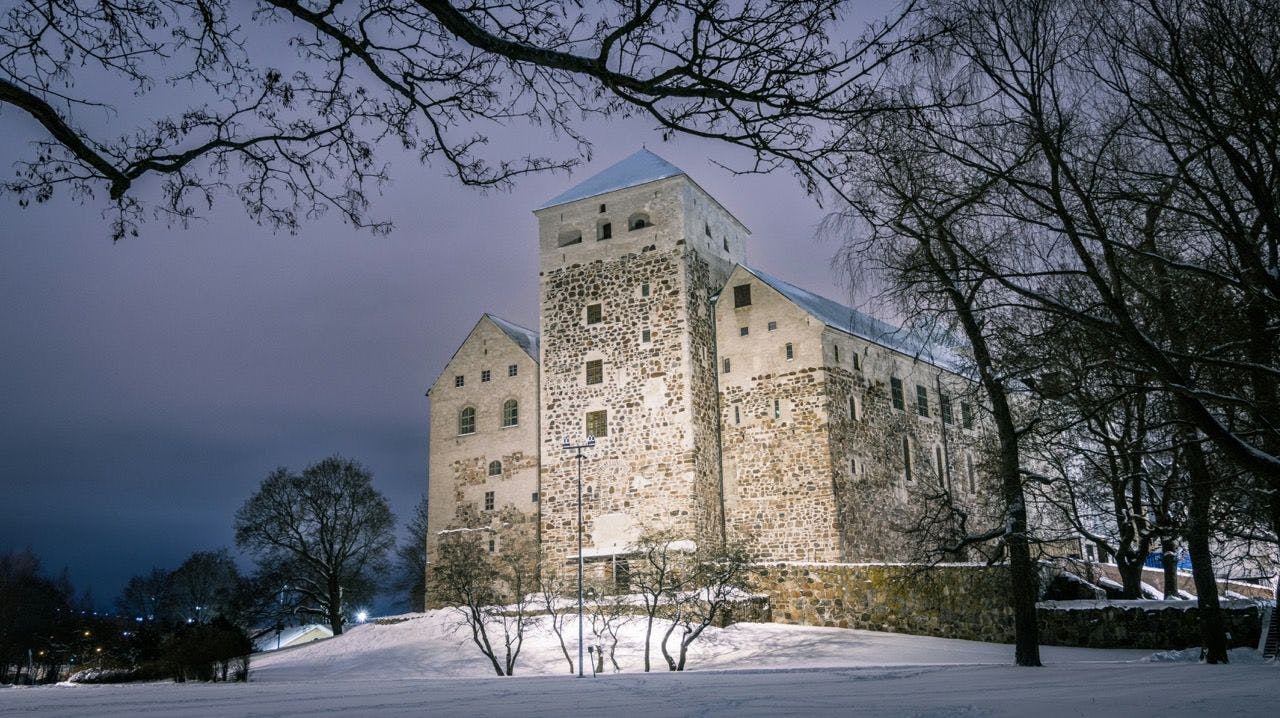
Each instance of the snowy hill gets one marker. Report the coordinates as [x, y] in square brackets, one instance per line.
[420, 666]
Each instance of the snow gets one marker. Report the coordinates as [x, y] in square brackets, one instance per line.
[419, 666]
[640, 168]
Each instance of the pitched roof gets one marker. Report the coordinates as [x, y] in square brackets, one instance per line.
[853, 322]
[640, 168]
[526, 338]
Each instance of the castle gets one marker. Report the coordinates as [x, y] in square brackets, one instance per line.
[725, 403]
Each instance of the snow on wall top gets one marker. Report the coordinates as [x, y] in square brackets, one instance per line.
[851, 321]
[526, 338]
[641, 167]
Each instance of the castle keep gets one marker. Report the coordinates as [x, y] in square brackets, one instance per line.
[725, 403]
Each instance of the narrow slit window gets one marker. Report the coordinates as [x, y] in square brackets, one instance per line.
[906, 458]
[726, 364]
[777, 409]
[737, 417]
[791, 352]
[939, 466]
[973, 476]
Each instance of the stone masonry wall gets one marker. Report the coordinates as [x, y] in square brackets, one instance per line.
[1137, 624]
[658, 464]
[961, 601]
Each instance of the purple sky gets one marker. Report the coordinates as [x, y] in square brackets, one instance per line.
[150, 385]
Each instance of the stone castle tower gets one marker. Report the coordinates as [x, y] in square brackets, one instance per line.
[629, 262]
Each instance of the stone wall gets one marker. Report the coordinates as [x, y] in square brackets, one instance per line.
[1141, 624]
[951, 601]
[658, 464]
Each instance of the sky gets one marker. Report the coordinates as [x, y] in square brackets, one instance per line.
[148, 386]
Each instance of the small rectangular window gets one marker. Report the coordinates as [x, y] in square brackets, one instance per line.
[944, 407]
[535, 497]
[773, 326]
[459, 380]
[939, 466]
[594, 313]
[597, 423]
[791, 352]
[855, 409]
[857, 366]
[973, 476]
[602, 208]
[743, 331]
[853, 467]
[895, 390]
[777, 409]
[836, 347]
[966, 415]
[725, 244]
[512, 370]
[737, 417]
[742, 296]
[645, 336]
[484, 375]
[493, 546]
[488, 501]
[644, 289]
[725, 362]
[595, 371]
[922, 400]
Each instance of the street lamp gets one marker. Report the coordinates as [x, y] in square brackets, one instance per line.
[590, 444]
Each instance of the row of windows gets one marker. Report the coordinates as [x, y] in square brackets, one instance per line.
[467, 417]
[489, 500]
[939, 469]
[485, 375]
[922, 403]
[604, 228]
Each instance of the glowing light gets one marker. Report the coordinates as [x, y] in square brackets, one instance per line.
[362, 616]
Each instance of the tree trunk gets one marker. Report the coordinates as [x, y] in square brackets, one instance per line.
[1199, 531]
[648, 632]
[1130, 568]
[1169, 562]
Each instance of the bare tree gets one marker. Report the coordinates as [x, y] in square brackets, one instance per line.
[553, 590]
[491, 594]
[658, 577]
[410, 577]
[326, 532]
[426, 76]
[608, 613]
[718, 578]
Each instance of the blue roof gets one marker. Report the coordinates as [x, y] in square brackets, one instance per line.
[526, 338]
[640, 168]
[853, 322]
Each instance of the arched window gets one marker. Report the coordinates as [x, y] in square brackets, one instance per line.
[495, 468]
[510, 413]
[569, 236]
[467, 421]
[639, 220]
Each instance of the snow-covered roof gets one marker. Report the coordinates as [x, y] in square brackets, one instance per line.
[526, 338]
[855, 323]
[640, 168]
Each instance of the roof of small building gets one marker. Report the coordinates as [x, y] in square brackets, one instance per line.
[640, 168]
[853, 322]
[527, 338]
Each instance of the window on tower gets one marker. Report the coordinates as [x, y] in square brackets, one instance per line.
[598, 423]
[568, 237]
[467, 421]
[594, 313]
[605, 231]
[742, 296]
[595, 371]
[922, 400]
[495, 468]
[510, 413]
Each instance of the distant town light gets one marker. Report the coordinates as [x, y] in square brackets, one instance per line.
[362, 616]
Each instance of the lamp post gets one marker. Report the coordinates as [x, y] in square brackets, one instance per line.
[590, 444]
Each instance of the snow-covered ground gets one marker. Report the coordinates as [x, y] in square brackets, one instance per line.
[421, 667]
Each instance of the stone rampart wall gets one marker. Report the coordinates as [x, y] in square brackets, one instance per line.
[1139, 624]
[951, 601]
